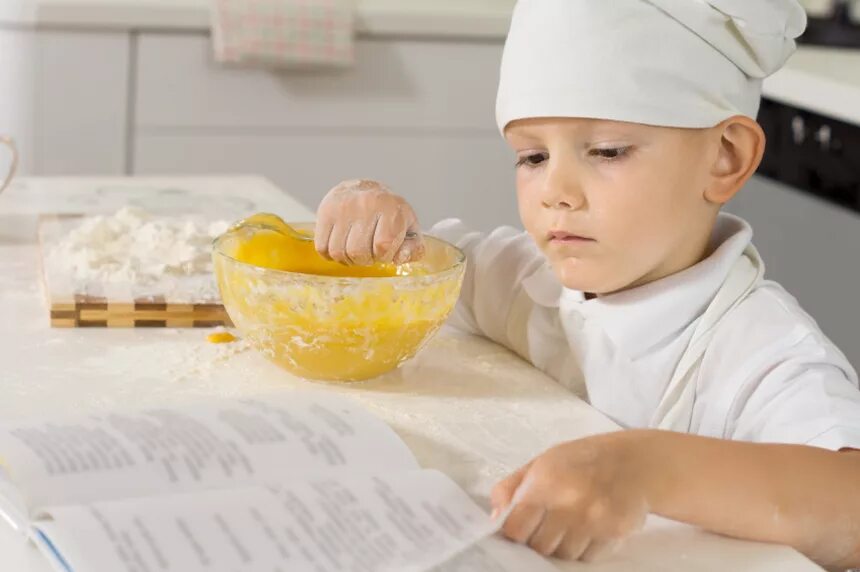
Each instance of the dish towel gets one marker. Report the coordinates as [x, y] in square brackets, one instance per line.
[284, 33]
[675, 412]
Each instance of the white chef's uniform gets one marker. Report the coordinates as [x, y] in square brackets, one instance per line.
[763, 370]
[715, 350]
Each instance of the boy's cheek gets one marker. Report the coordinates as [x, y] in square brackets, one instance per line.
[531, 223]
[527, 217]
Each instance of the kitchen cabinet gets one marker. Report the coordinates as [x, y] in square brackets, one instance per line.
[469, 178]
[416, 114]
[64, 98]
[17, 50]
[811, 151]
[396, 84]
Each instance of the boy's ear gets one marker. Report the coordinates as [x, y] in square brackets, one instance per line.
[740, 151]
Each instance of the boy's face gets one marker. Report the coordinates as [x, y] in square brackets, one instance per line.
[614, 205]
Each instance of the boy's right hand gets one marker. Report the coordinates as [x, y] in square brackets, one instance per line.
[362, 222]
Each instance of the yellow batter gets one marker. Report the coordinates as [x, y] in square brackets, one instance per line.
[323, 320]
[278, 246]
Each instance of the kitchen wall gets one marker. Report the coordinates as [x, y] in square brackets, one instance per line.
[416, 111]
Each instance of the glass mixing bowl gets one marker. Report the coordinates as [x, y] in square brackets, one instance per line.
[335, 328]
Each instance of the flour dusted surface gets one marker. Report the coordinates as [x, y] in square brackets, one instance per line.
[133, 255]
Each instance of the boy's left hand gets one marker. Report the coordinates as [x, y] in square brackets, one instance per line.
[578, 500]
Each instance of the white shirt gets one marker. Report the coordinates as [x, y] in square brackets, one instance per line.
[768, 375]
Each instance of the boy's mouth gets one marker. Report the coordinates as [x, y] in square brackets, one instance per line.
[564, 237]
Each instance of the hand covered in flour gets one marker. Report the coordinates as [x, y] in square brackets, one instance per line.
[577, 501]
[362, 222]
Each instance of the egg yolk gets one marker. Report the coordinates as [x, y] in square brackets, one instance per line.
[221, 338]
[276, 245]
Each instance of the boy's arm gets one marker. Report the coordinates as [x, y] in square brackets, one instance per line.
[804, 497]
[593, 492]
[361, 222]
[497, 264]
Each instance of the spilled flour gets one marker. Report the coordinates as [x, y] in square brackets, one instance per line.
[201, 361]
[134, 253]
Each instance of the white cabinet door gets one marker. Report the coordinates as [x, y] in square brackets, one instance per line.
[812, 248]
[396, 84]
[64, 97]
[17, 83]
[417, 114]
[469, 178]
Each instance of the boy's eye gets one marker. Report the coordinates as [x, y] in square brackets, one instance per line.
[610, 154]
[532, 159]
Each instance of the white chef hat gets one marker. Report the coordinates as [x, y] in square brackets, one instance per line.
[673, 63]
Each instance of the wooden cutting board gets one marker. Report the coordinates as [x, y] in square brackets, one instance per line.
[88, 312]
[75, 306]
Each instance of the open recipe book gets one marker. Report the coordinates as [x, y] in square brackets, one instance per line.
[304, 481]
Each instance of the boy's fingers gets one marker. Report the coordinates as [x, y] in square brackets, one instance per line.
[388, 238]
[420, 248]
[411, 250]
[359, 244]
[600, 549]
[503, 493]
[523, 522]
[337, 243]
[548, 537]
[576, 542]
[322, 232]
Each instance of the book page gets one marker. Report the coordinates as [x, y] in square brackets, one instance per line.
[13, 506]
[217, 443]
[494, 554]
[410, 521]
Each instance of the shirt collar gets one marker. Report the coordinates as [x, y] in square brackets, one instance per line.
[642, 318]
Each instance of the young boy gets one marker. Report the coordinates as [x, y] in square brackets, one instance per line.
[633, 123]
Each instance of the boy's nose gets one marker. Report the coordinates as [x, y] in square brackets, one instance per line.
[562, 190]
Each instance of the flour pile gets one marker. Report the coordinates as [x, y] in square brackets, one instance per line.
[135, 248]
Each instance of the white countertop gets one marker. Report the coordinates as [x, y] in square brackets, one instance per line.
[464, 406]
[819, 79]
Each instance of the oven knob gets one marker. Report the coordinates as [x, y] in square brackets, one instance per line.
[798, 130]
[824, 136]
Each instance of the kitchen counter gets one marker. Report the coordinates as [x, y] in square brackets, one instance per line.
[820, 79]
[464, 406]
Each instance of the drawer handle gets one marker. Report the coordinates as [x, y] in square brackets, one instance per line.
[13, 166]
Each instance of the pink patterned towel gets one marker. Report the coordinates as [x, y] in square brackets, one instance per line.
[284, 33]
